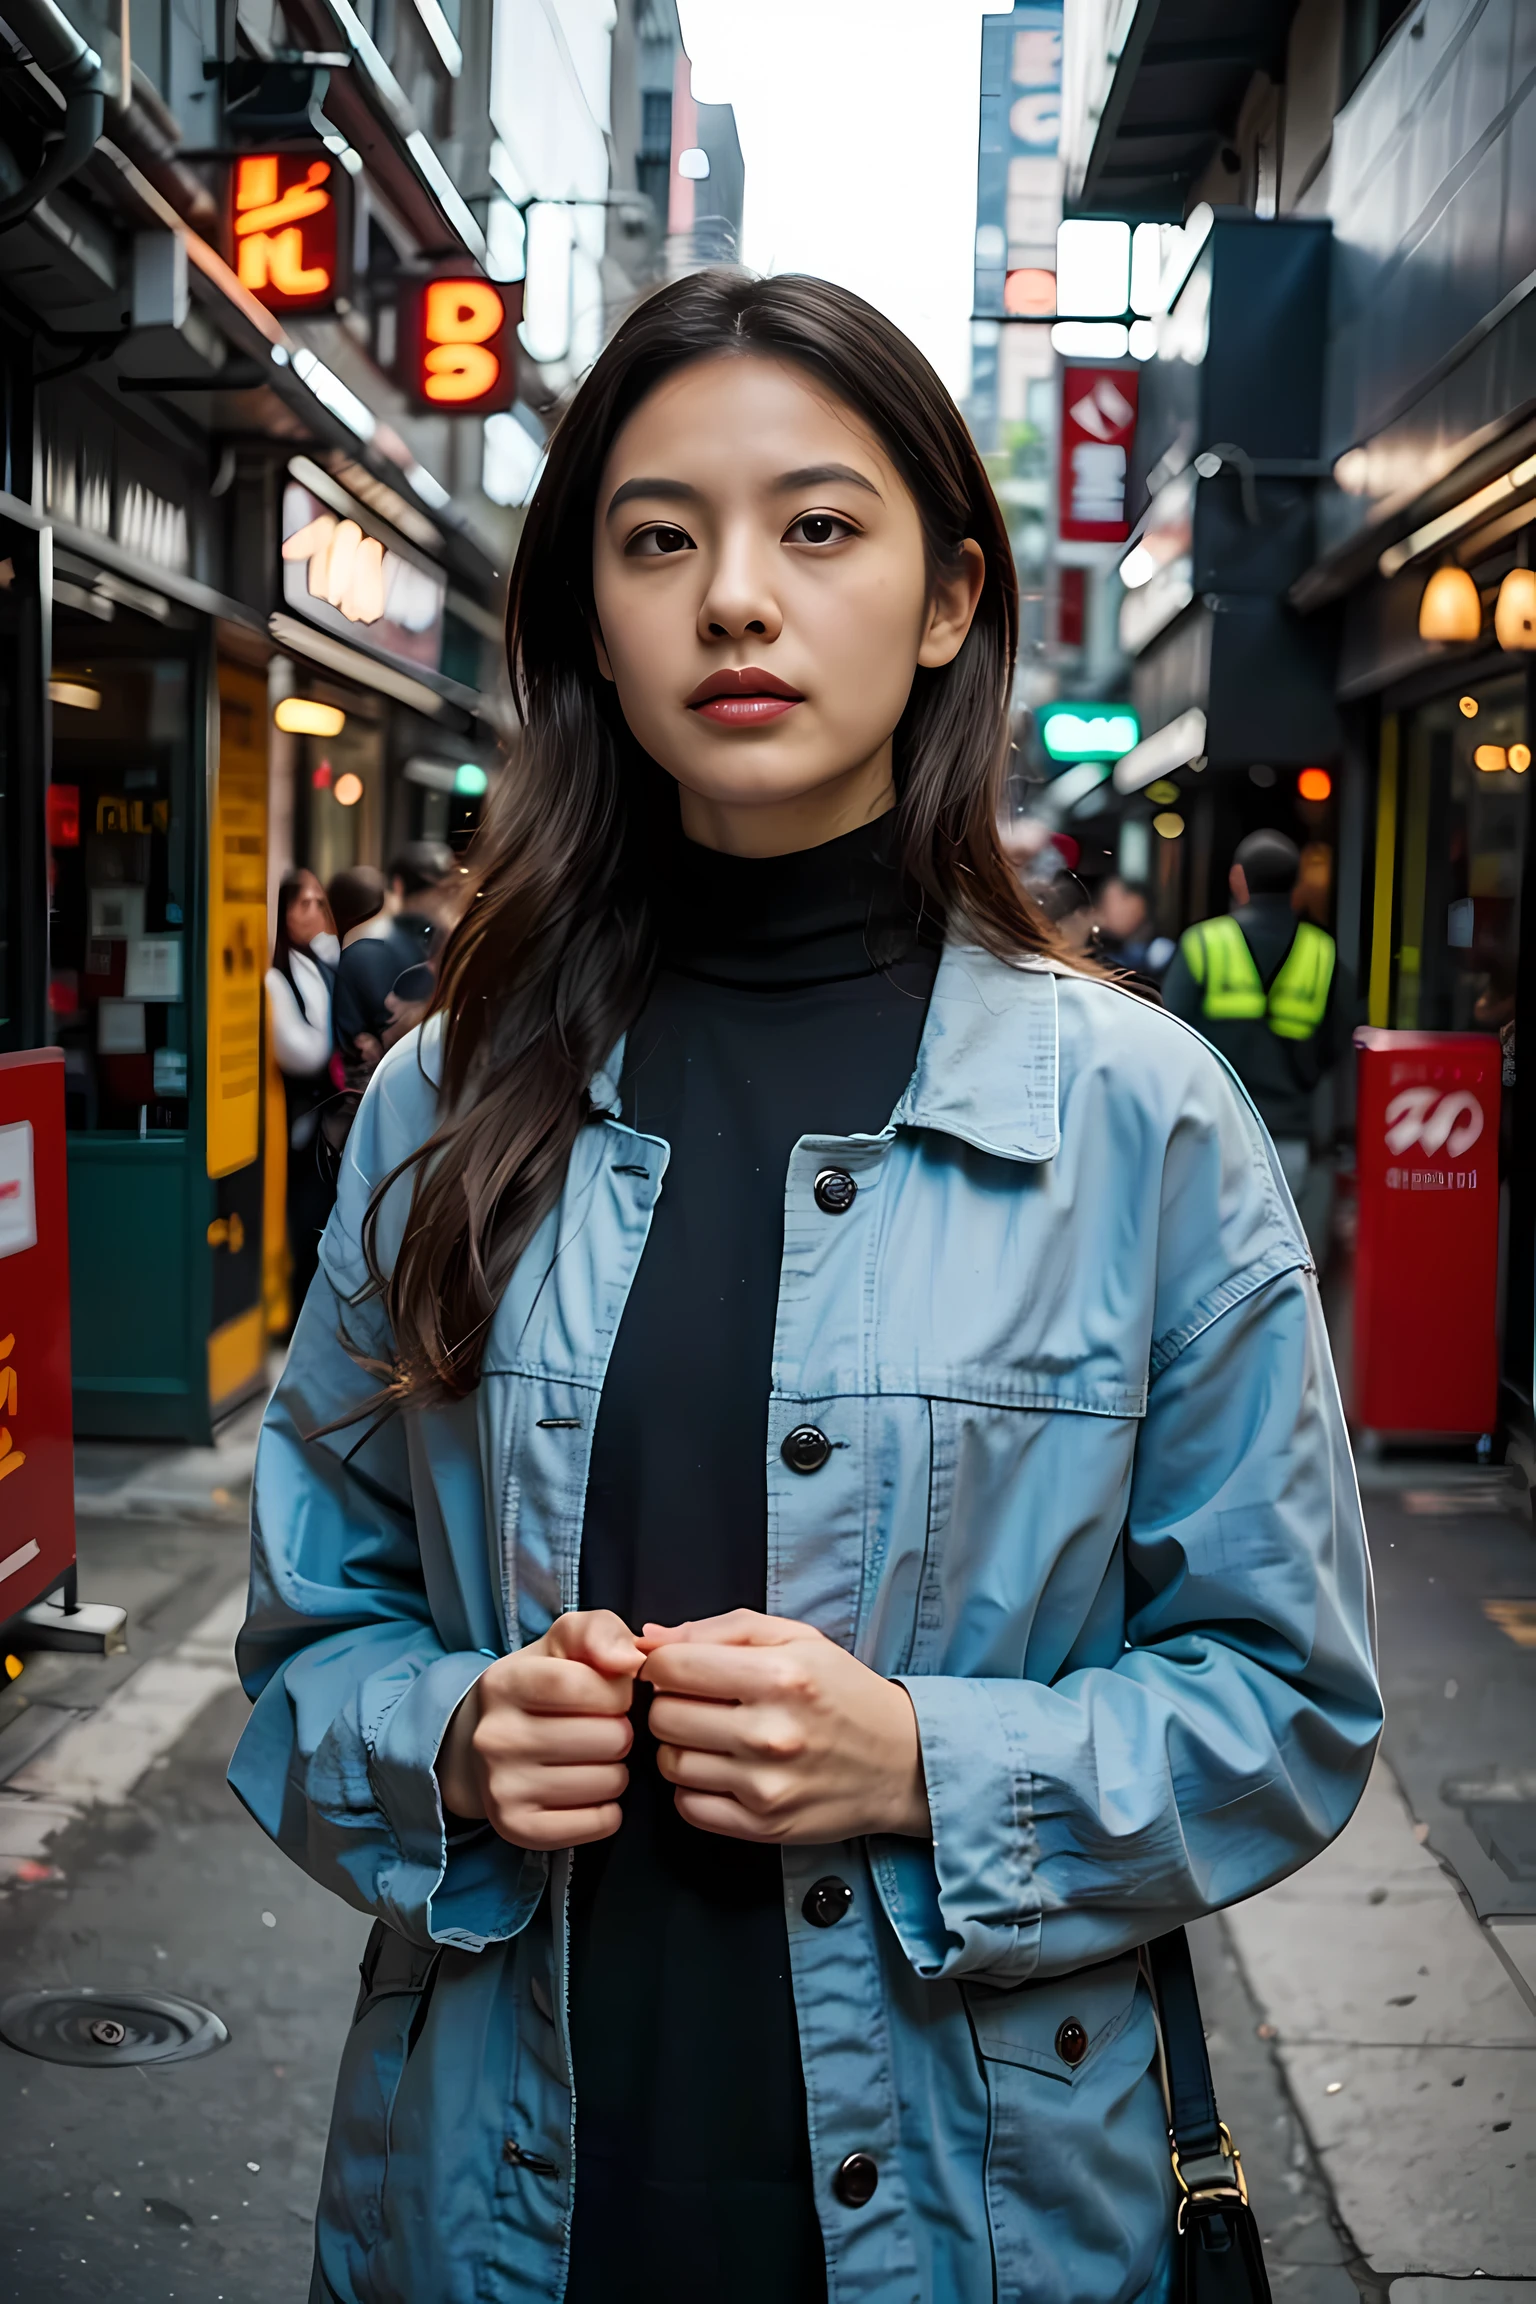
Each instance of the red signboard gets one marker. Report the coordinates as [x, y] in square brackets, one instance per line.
[284, 224]
[37, 1465]
[1098, 425]
[1427, 1262]
[458, 350]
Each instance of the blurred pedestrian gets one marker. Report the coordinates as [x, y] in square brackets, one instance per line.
[299, 981]
[812, 1623]
[386, 961]
[1267, 989]
[1123, 933]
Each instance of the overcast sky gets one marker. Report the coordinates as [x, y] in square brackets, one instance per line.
[858, 128]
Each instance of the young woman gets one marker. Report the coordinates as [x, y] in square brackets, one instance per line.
[299, 981]
[808, 1515]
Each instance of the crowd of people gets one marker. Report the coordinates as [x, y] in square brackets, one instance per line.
[352, 971]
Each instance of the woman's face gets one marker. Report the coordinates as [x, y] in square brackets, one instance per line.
[763, 602]
[307, 915]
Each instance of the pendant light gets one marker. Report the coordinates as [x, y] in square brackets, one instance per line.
[1514, 618]
[1450, 608]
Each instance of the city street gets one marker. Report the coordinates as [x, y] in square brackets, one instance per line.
[1372, 2024]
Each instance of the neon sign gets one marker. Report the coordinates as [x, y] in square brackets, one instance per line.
[458, 352]
[286, 232]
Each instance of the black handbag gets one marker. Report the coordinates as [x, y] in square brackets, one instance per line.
[1218, 2257]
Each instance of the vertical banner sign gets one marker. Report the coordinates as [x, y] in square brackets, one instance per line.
[458, 345]
[1427, 1262]
[1018, 179]
[237, 921]
[37, 1465]
[285, 228]
[1098, 425]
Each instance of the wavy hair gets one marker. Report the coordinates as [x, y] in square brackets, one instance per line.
[554, 953]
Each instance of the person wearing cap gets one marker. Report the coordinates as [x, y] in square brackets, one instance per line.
[1266, 989]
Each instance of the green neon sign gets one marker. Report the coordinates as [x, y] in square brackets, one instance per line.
[1089, 731]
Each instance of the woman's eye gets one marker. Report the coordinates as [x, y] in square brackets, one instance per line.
[653, 541]
[819, 528]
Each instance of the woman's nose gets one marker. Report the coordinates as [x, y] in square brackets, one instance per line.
[739, 601]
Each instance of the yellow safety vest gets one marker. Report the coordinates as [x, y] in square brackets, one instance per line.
[1221, 963]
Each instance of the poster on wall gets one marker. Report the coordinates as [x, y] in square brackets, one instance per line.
[1098, 428]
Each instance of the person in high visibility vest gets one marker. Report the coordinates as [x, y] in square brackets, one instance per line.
[1266, 988]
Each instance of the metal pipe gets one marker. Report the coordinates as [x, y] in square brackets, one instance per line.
[76, 71]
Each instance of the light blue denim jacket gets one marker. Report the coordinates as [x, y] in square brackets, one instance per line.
[1089, 1497]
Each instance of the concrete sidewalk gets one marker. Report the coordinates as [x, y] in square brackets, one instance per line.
[1394, 1980]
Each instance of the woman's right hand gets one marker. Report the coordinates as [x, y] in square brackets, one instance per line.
[537, 1746]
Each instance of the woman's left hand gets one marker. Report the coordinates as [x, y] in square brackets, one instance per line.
[772, 1732]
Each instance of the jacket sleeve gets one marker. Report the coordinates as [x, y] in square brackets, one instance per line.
[353, 1670]
[1230, 1741]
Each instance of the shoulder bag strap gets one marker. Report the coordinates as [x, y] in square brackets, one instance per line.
[1192, 2116]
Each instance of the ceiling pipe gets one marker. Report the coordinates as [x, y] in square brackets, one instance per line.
[76, 71]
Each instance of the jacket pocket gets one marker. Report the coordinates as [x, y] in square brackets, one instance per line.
[1079, 2182]
[396, 1978]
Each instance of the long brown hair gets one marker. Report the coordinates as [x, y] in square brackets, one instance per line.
[554, 954]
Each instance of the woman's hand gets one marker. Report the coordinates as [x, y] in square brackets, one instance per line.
[538, 1745]
[772, 1732]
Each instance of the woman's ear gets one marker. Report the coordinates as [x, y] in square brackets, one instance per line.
[599, 651]
[952, 609]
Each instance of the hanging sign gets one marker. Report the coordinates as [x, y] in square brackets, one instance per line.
[1098, 426]
[339, 572]
[458, 348]
[286, 229]
[237, 921]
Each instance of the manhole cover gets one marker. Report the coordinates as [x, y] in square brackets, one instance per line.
[88, 2027]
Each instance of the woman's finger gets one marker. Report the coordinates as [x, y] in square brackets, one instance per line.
[561, 1788]
[729, 1675]
[595, 1636]
[553, 1684]
[709, 1812]
[561, 1828]
[741, 1628]
[701, 1727]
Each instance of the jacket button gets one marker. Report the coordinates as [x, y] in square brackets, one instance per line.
[834, 1191]
[855, 2180]
[805, 1449]
[1071, 2042]
[826, 1901]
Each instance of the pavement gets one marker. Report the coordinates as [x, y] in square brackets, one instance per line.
[1371, 2022]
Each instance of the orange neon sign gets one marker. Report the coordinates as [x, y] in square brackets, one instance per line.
[458, 345]
[285, 229]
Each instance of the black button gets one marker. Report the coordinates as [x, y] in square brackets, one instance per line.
[855, 2180]
[826, 1902]
[518, 2156]
[1071, 2042]
[805, 1449]
[834, 1191]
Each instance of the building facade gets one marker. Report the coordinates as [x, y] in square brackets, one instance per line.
[1336, 484]
[288, 299]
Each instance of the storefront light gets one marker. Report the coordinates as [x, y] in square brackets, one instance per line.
[77, 695]
[1491, 758]
[470, 780]
[1450, 608]
[306, 716]
[1314, 784]
[1137, 568]
[1467, 707]
[1169, 825]
[348, 789]
[1519, 758]
[1514, 615]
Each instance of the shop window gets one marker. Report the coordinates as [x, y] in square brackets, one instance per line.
[1465, 808]
[119, 976]
[342, 779]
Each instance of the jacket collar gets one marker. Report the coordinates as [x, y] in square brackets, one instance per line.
[986, 1064]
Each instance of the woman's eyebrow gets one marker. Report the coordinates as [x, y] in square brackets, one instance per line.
[673, 491]
[818, 475]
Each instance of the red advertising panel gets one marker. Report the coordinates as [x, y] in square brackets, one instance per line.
[1098, 425]
[1427, 1264]
[458, 346]
[284, 223]
[37, 1464]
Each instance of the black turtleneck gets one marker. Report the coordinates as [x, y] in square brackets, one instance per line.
[790, 1002]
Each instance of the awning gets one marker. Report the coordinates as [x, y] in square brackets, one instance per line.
[1173, 97]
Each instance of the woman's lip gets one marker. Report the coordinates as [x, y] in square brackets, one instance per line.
[744, 711]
